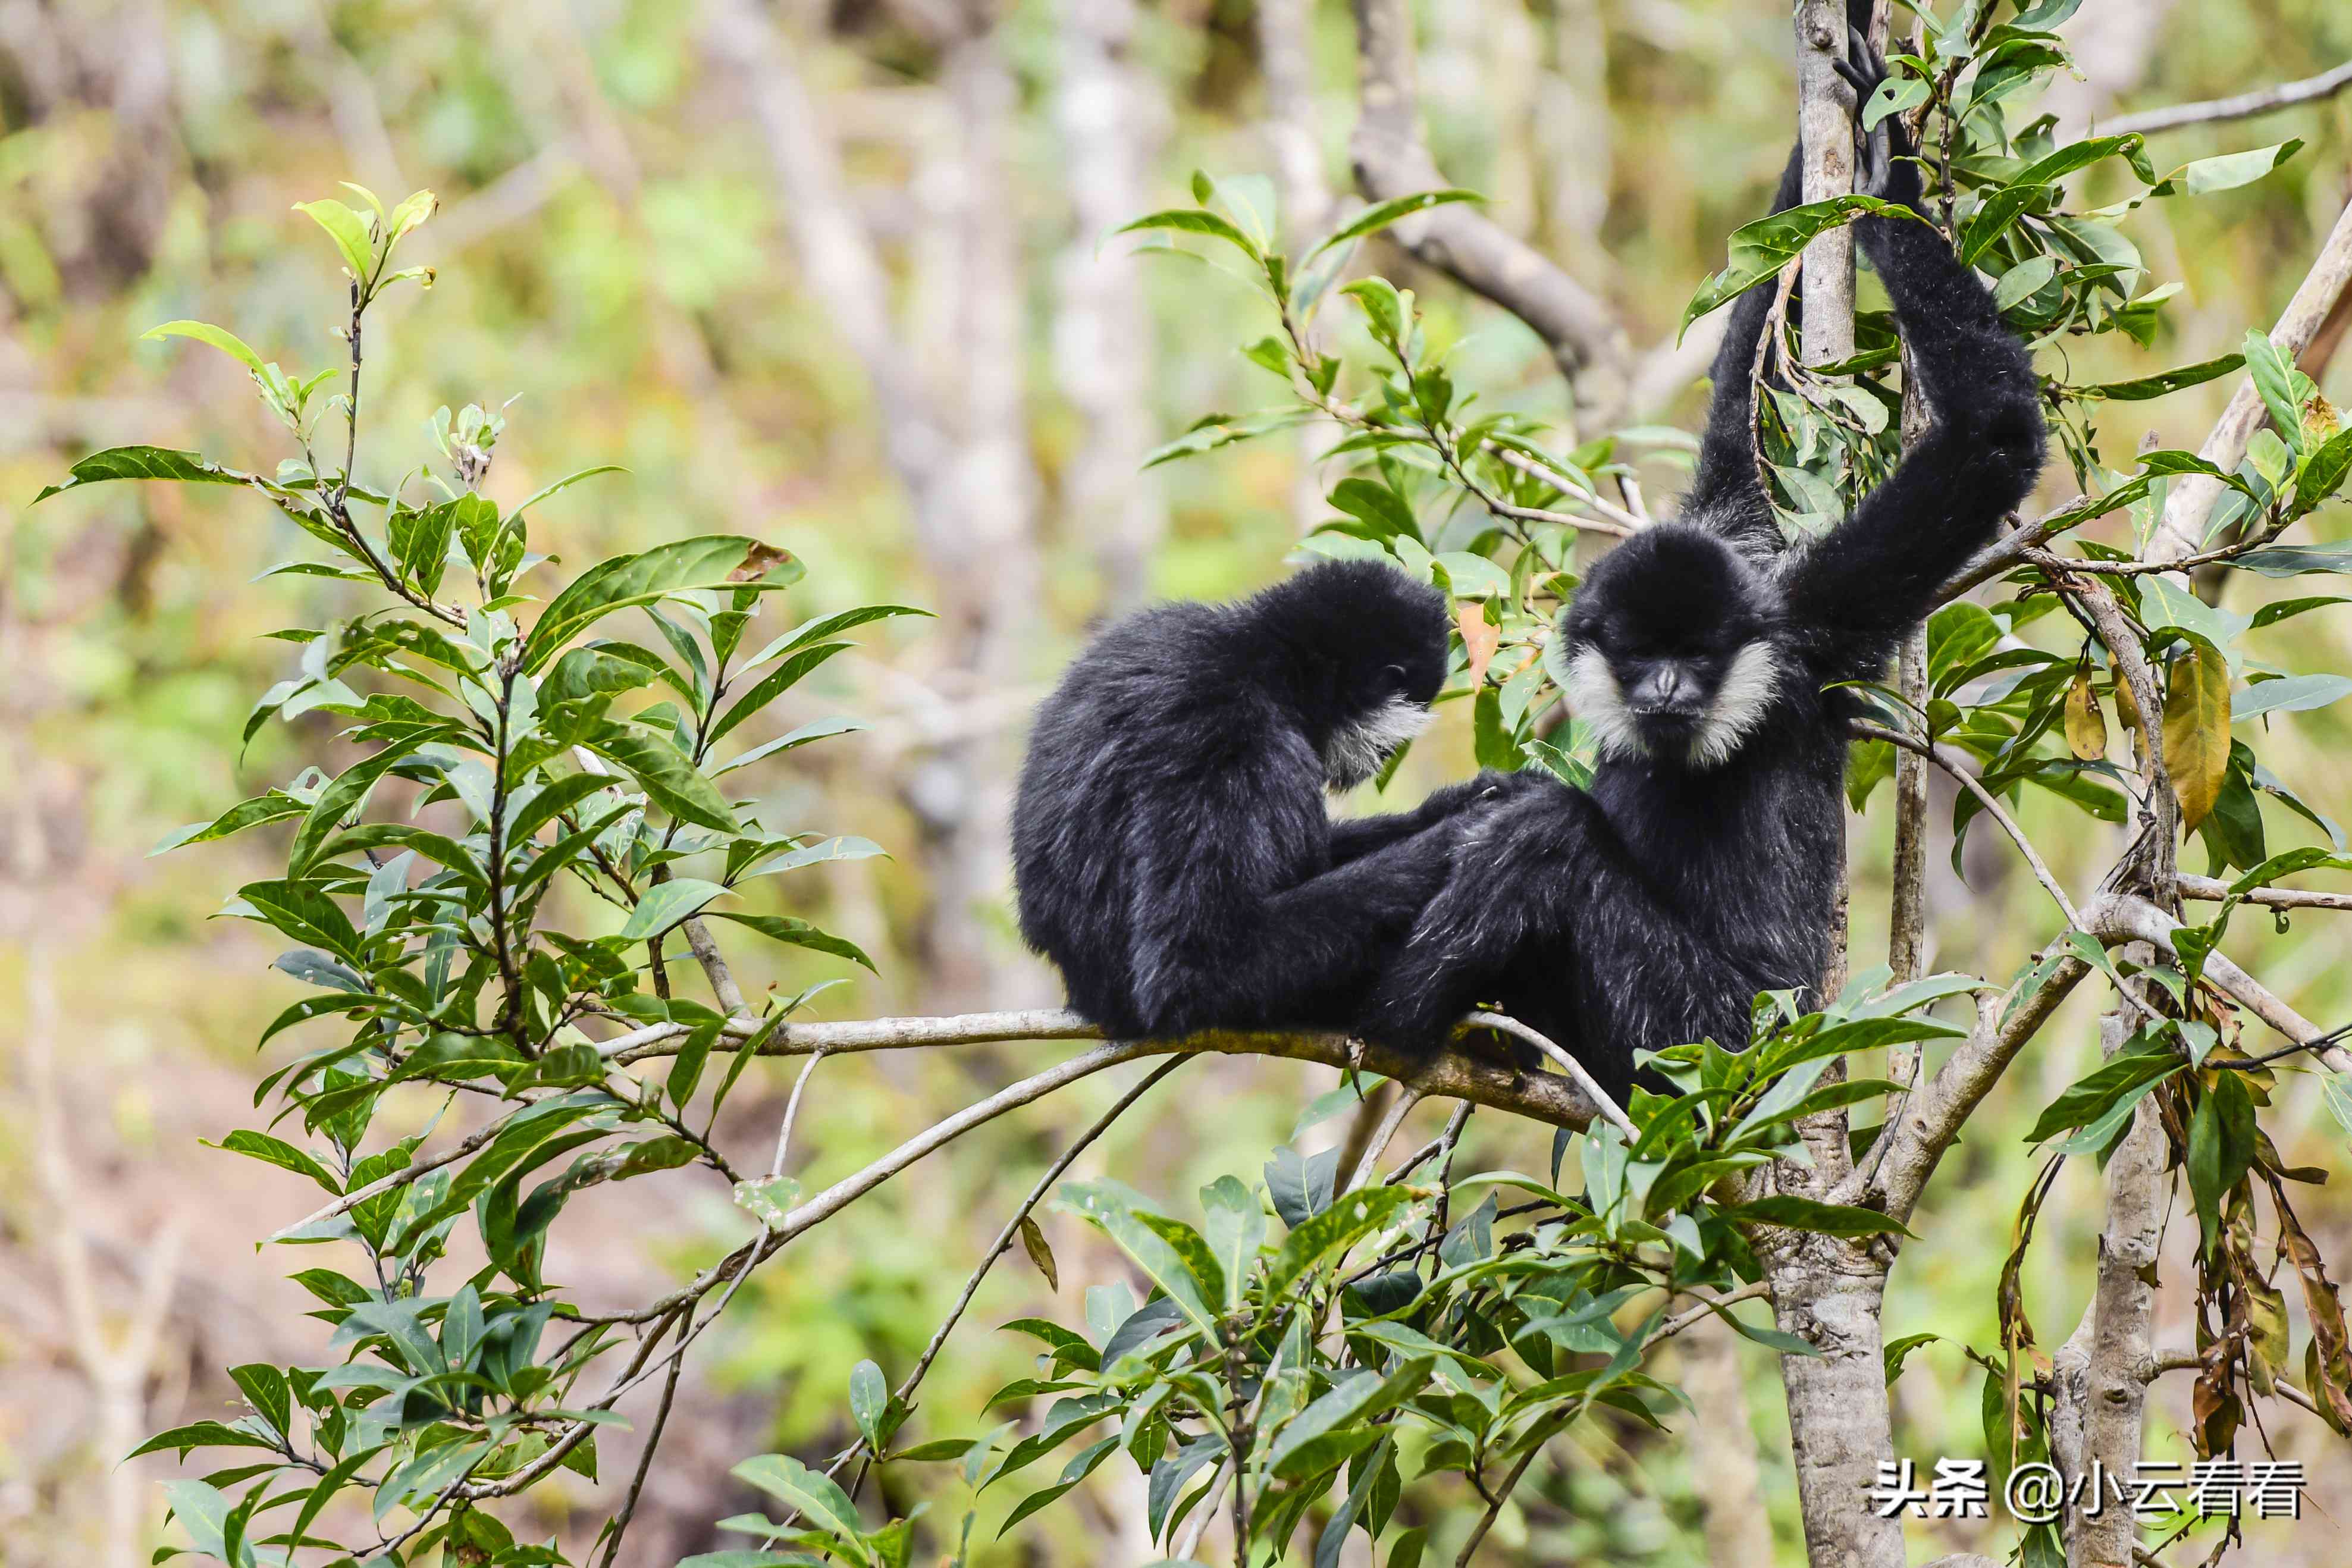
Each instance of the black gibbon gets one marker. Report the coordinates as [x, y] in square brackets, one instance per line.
[1701, 865]
[1171, 849]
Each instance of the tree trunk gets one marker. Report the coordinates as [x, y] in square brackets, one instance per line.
[1830, 1293]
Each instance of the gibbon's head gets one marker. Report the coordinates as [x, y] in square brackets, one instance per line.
[1666, 652]
[1363, 651]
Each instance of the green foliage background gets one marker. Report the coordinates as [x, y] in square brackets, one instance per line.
[646, 307]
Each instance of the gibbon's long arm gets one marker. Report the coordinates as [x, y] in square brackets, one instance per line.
[1857, 593]
[1726, 494]
[1242, 932]
[1352, 837]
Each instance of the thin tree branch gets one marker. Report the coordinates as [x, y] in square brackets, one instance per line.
[1986, 799]
[2213, 890]
[2139, 919]
[2006, 551]
[1608, 1108]
[2244, 106]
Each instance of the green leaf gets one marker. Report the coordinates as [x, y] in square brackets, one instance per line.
[345, 795]
[149, 463]
[2079, 155]
[201, 1434]
[671, 781]
[1234, 1229]
[770, 1201]
[272, 807]
[664, 904]
[1805, 1213]
[773, 685]
[2022, 282]
[228, 342]
[817, 1497]
[1992, 218]
[2225, 173]
[869, 1396]
[818, 627]
[1759, 250]
[700, 563]
[301, 911]
[565, 483]
[2150, 386]
[2092, 1095]
[2289, 694]
[2272, 369]
[2222, 1146]
[347, 230]
[1301, 1451]
[2296, 559]
[1194, 220]
[1348, 1220]
[1187, 1244]
[816, 730]
[1389, 314]
[1381, 509]
[1372, 219]
[1116, 1211]
[797, 933]
[2323, 474]
[277, 1152]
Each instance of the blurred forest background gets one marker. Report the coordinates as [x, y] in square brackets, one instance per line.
[833, 274]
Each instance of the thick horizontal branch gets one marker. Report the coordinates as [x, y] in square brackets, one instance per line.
[1450, 1076]
[2244, 106]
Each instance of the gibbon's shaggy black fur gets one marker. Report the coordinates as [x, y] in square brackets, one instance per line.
[1170, 845]
[1701, 865]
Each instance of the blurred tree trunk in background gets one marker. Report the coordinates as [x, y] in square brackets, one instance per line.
[1112, 120]
[951, 402]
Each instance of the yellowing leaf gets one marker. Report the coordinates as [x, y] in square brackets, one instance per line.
[1479, 640]
[2086, 726]
[1032, 1241]
[2196, 729]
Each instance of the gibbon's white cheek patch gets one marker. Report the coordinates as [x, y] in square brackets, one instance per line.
[1355, 751]
[1740, 704]
[1594, 696]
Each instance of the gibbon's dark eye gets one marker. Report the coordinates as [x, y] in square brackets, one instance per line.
[1396, 675]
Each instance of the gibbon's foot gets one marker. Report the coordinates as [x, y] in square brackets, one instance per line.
[1885, 146]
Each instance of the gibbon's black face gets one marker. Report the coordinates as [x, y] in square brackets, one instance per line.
[1371, 646]
[1666, 652]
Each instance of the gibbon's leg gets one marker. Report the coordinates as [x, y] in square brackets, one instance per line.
[1544, 899]
[1505, 904]
[1312, 949]
[1726, 493]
